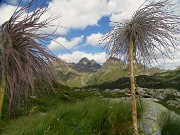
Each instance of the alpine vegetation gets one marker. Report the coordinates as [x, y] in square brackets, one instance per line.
[24, 56]
[151, 31]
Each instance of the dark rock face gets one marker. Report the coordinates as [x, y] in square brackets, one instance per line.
[85, 65]
[114, 62]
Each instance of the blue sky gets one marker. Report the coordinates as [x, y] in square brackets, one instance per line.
[83, 23]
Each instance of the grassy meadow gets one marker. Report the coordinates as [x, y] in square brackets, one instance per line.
[70, 112]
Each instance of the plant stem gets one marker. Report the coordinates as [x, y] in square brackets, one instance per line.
[2, 92]
[132, 84]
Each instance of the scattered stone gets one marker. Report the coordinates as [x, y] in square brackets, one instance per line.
[107, 90]
[175, 103]
[140, 91]
[125, 90]
[33, 97]
[117, 90]
[76, 90]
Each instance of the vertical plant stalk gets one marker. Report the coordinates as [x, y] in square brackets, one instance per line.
[152, 30]
[2, 92]
[25, 60]
[132, 84]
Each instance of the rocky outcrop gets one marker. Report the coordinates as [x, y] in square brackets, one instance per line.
[170, 96]
[149, 123]
[113, 62]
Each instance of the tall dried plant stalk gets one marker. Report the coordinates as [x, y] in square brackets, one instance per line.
[23, 57]
[152, 30]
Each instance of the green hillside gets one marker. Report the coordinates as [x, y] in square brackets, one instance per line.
[72, 78]
[166, 79]
[113, 69]
[114, 73]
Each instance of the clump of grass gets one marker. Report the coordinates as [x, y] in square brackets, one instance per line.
[170, 125]
[92, 116]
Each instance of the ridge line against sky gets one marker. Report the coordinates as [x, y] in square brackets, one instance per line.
[83, 24]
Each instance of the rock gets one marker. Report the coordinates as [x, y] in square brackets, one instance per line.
[107, 90]
[150, 128]
[33, 97]
[149, 123]
[159, 93]
[175, 103]
[125, 90]
[76, 90]
[140, 91]
[161, 96]
[117, 90]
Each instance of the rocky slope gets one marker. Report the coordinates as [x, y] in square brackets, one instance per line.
[77, 74]
[85, 65]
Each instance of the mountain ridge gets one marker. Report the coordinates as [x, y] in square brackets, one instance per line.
[85, 65]
[115, 73]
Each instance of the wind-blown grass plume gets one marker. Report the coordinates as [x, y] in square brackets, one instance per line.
[23, 56]
[152, 29]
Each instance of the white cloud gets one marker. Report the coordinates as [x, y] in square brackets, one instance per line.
[170, 63]
[68, 44]
[166, 62]
[78, 14]
[77, 55]
[6, 12]
[93, 39]
[124, 9]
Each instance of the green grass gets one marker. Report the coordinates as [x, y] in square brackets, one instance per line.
[169, 124]
[89, 117]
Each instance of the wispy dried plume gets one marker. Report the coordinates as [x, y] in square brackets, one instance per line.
[154, 29]
[24, 57]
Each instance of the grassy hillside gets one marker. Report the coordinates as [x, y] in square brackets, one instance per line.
[72, 78]
[112, 70]
[115, 74]
[167, 79]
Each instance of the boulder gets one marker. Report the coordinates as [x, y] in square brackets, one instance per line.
[149, 123]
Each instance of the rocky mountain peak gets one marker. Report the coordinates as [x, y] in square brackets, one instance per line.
[93, 62]
[114, 62]
[86, 65]
[113, 59]
[84, 61]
